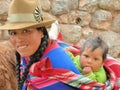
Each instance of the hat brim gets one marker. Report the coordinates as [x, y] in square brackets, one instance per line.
[21, 25]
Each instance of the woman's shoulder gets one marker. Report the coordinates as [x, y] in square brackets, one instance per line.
[52, 44]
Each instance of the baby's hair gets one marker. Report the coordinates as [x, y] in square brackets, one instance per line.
[34, 58]
[94, 43]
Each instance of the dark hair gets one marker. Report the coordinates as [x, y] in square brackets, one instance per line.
[34, 58]
[95, 42]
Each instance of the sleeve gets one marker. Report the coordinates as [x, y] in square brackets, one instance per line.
[91, 75]
[76, 60]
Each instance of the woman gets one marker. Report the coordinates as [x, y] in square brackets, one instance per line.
[42, 64]
[26, 28]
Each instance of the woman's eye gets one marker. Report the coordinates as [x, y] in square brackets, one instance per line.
[12, 33]
[26, 31]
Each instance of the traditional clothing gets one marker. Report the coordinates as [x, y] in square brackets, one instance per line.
[59, 59]
[57, 73]
[98, 75]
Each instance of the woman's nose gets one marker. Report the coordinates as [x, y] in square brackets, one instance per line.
[19, 37]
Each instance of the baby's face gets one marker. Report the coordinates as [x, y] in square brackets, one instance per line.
[91, 58]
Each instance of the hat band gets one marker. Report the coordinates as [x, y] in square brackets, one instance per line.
[21, 18]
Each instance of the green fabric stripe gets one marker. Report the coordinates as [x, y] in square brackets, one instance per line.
[78, 81]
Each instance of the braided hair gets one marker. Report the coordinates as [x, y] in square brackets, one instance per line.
[34, 58]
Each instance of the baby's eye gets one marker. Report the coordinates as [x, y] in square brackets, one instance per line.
[12, 33]
[86, 56]
[96, 59]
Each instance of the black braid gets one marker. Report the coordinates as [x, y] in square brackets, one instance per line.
[35, 57]
[18, 69]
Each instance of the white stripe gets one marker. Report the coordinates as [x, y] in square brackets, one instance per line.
[21, 18]
[32, 68]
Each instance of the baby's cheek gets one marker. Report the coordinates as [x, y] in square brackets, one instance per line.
[95, 67]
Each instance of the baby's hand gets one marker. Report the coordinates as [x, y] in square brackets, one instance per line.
[86, 70]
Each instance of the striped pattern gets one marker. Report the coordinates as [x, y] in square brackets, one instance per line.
[72, 79]
[40, 78]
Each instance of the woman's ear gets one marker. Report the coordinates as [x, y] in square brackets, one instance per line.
[41, 34]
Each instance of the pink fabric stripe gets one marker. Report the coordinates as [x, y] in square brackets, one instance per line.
[40, 83]
[110, 62]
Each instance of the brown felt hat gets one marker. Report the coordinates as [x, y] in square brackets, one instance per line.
[24, 14]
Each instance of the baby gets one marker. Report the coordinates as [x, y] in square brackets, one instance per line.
[91, 59]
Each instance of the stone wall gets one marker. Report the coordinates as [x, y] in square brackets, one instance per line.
[79, 19]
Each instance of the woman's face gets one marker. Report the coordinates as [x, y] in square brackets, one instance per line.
[26, 41]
